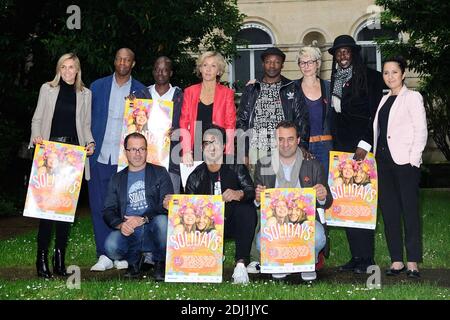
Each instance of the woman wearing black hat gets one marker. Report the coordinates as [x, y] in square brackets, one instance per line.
[356, 91]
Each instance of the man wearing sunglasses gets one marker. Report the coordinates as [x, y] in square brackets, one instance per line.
[134, 208]
[233, 182]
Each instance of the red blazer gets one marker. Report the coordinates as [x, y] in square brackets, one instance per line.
[223, 115]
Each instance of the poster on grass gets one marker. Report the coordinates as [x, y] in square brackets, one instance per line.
[195, 239]
[153, 119]
[55, 181]
[287, 230]
[354, 187]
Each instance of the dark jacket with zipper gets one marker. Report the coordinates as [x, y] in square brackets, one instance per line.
[157, 185]
[327, 116]
[294, 108]
[232, 176]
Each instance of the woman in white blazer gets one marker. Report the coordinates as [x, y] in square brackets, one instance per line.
[400, 136]
[63, 114]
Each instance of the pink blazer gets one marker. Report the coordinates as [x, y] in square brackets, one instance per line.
[223, 115]
[407, 127]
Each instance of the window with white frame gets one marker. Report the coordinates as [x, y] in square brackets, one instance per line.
[247, 64]
[370, 51]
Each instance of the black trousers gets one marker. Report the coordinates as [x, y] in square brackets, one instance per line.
[44, 235]
[362, 243]
[240, 224]
[399, 198]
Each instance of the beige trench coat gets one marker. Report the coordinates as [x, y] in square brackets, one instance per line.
[41, 123]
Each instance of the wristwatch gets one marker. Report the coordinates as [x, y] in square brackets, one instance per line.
[145, 219]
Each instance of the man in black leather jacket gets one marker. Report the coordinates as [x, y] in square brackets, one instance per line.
[233, 182]
[261, 103]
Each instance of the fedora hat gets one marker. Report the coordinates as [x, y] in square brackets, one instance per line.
[343, 41]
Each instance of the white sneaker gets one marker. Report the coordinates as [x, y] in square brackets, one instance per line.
[254, 267]
[120, 264]
[103, 263]
[279, 276]
[309, 276]
[240, 274]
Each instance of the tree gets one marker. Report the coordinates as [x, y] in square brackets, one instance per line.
[425, 43]
[34, 35]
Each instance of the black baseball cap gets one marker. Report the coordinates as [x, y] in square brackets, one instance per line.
[273, 51]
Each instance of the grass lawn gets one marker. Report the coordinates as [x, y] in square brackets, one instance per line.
[18, 254]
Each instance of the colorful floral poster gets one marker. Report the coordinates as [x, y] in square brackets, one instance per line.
[195, 239]
[152, 118]
[354, 187]
[287, 230]
[55, 181]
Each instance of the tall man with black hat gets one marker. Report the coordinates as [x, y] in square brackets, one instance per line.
[356, 92]
[263, 105]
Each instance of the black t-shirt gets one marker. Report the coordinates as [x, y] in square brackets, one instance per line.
[204, 114]
[63, 122]
[383, 153]
[216, 181]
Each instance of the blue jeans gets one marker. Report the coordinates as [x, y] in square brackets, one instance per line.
[320, 239]
[321, 150]
[148, 237]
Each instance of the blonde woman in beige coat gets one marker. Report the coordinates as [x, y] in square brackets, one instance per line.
[63, 114]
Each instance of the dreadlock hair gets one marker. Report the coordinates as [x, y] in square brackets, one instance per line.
[359, 77]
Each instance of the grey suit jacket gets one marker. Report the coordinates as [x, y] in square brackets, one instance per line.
[41, 124]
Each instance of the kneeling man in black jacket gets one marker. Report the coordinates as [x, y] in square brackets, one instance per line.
[134, 206]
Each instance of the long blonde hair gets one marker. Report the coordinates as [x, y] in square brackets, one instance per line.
[79, 85]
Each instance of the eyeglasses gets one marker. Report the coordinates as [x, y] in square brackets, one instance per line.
[134, 150]
[305, 63]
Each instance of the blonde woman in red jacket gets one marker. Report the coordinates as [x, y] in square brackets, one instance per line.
[207, 103]
[400, 136]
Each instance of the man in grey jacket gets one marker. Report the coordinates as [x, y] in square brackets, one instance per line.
[288, 169]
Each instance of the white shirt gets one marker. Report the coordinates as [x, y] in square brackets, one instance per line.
[168, 96]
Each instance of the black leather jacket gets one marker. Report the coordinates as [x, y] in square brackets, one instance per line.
[232, 176]
[294, 108]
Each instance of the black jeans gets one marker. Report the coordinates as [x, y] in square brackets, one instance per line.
[240, 224]
[399, 198]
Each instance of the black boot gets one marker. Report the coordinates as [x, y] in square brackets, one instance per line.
[362, 266]
[134, 269]
[350, 266]
[42, 264]
[59, 267]
[160, 271]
